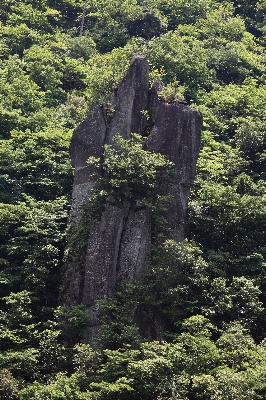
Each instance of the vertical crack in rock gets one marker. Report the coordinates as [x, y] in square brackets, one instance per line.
[130, 100]
[134, 252]
[101, 255]
[87, 140]
[118, 239]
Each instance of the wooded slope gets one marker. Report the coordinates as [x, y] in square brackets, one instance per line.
[56, 58]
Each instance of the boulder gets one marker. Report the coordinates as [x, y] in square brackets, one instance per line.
[119, 238]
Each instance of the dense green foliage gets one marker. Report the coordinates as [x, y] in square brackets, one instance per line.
[132, 172]
[56, 58]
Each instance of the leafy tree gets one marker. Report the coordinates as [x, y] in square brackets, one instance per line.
[185, 12]
[20, 97]
[61, 388]
[232, 52]
[81, 47]
[132, 172]
[173, 52]
[247, 10]
[238, 301]
[107, 22]
[37, 164]
[117, 329]
[227, 103]
[32, 246]
[8, 385]
[46, 71]
[17, 337]
[34, 17]
[225, 384]
[72, 322]
[72, 111]
[103, 73]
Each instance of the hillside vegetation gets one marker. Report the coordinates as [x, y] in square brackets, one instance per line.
[56, 58]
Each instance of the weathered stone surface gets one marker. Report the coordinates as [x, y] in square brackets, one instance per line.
[176, 134]
[130, 100]
[87, 140]
[134, 252]
[102, 255]
[119, 238]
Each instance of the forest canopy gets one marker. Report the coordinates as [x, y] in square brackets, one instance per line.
[57, 57]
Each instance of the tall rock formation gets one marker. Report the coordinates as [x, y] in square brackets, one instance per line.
[119, 239]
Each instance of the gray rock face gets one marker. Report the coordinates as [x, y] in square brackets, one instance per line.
[129, 100]
[88, 140]
[119, 238]
[175, 133]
